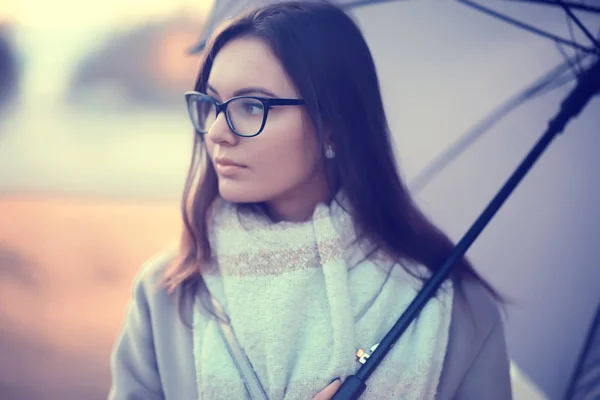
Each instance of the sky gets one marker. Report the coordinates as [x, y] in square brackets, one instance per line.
[69, 14]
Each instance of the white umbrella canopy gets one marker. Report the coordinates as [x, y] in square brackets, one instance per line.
[443, 66]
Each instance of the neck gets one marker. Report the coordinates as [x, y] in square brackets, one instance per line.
[299, 204]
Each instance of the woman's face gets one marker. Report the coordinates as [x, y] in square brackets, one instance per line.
[282, 165]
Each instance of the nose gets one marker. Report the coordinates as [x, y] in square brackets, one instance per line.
[220, 133]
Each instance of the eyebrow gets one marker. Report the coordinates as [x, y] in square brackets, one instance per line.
[245, 91]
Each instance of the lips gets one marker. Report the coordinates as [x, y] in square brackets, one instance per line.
[228, 168]
[224, 161]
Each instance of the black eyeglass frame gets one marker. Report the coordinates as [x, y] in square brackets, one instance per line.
[267, 102]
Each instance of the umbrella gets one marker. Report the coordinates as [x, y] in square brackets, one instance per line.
[566, 28]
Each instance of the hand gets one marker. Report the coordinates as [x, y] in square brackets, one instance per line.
[329, 391]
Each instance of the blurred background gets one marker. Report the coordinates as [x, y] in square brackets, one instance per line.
[95, 143]
[94, 147]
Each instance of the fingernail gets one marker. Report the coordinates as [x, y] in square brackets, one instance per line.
[336, 379]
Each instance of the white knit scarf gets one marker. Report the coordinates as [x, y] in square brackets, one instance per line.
[302, 301]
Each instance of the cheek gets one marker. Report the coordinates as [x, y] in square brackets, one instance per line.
[280, 160]
[297, 156]
[289, 161]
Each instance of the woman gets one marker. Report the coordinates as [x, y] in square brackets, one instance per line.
[300, 237]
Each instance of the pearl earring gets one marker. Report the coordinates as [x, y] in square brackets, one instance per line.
[329, 153]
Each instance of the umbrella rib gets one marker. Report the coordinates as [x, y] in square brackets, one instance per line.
[527, 27]
[360, 3]
[566, 58]
[579, 23]
[541, 86]
[570, 4]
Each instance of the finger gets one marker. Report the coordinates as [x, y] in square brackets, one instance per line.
[329, 391]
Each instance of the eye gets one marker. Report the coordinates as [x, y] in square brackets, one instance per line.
[253, 107]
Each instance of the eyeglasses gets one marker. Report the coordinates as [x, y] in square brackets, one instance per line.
[246, 115]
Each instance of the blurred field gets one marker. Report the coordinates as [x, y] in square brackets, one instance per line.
[66, 267]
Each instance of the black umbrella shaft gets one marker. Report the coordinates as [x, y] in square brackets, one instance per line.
[588, 85]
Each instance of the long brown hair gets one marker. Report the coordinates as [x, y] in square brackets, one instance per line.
[326, 56]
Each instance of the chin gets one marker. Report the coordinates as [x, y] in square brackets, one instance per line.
[239, 193]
